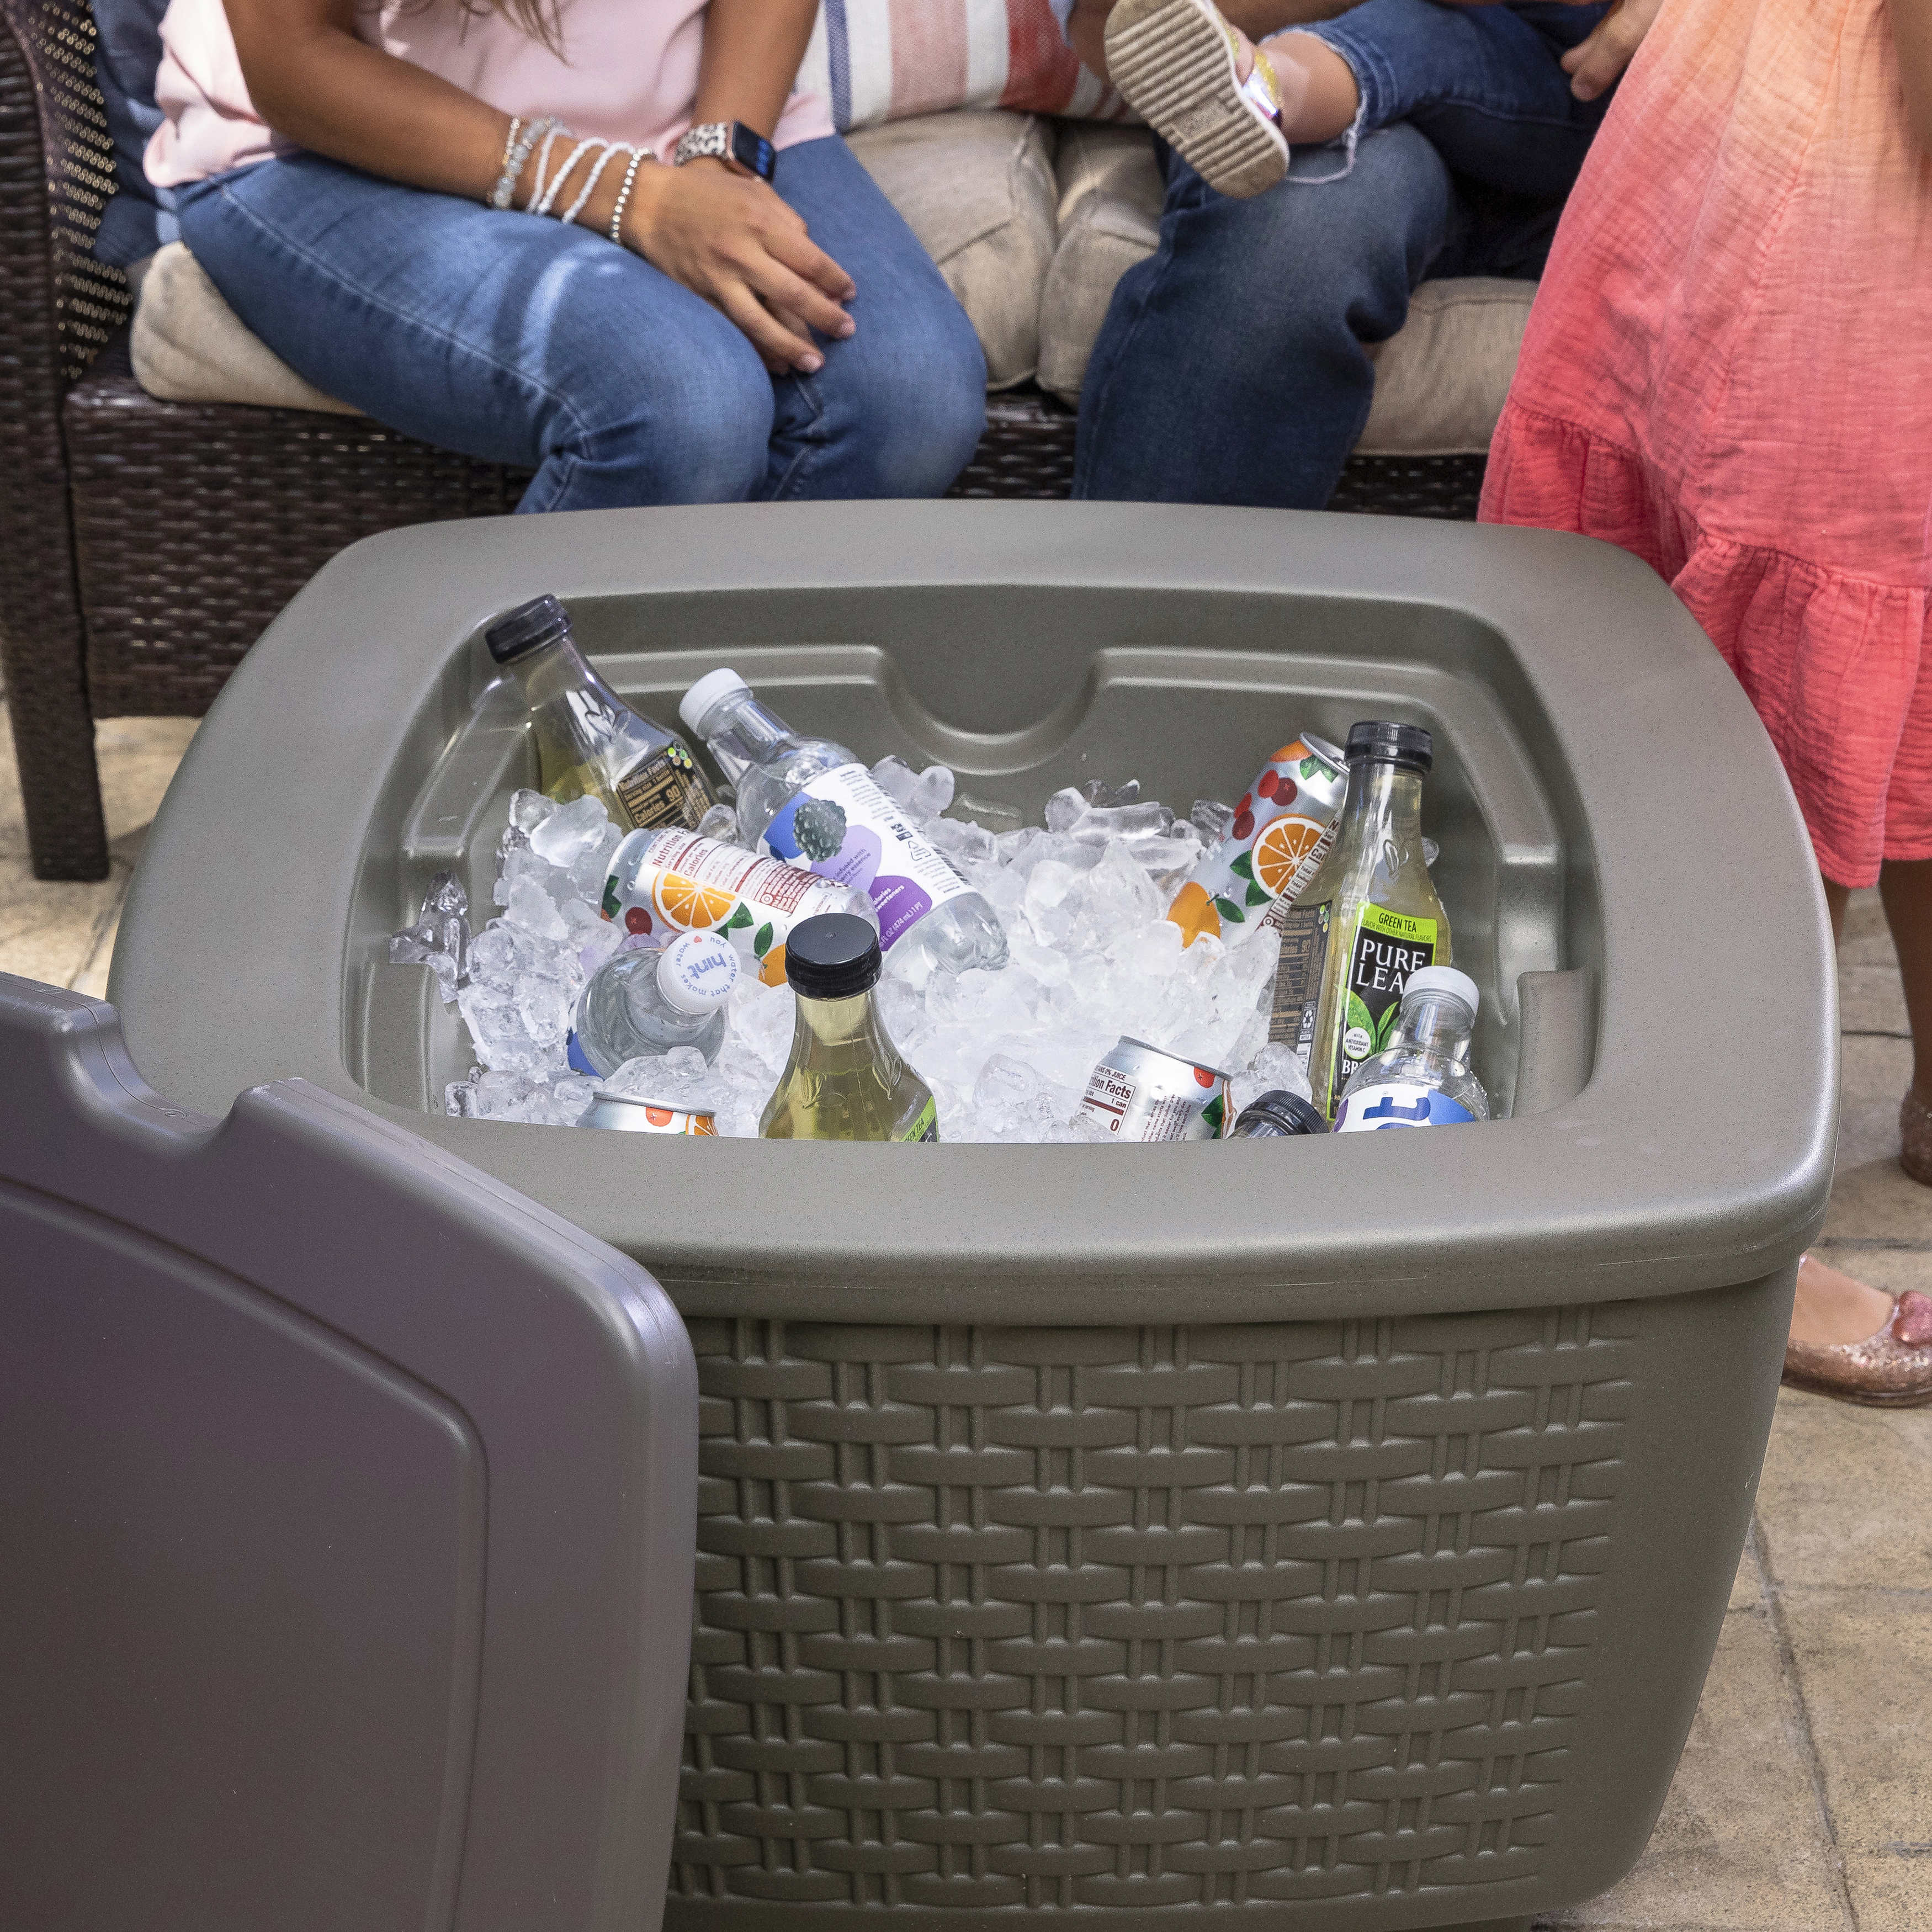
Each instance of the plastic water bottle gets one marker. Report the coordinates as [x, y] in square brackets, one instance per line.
[1422, 1078]
[648, 1002]
[809, 802]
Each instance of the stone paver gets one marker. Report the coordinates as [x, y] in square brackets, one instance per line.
[65, 934]
[1803, 1800]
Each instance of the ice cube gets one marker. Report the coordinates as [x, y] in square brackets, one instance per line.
[569, 831]
[531, 908]
[720, 822]
[492, 953]
[529, 809]
[958, 839]
[1064, 810]
[445, 895]
[1102, 823]
[1213, 819]
[685, 1063]
[1115, 895]
[546, 1006]
[895, 778]
[1276, 1066]
[1098, 792]
[995, 816]
[502, 1042]
[932, 792]
[592, 867]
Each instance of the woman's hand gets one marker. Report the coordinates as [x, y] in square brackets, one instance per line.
[1593, 65]
[731, 239]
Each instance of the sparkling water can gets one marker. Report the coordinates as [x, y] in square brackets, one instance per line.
[1284, 823]
[1138, 1093]
[647, 1116]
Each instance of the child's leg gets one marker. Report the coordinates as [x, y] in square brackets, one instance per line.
[1906, 886]
[1832, 1308]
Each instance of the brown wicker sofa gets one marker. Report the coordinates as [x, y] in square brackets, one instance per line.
[102, 615]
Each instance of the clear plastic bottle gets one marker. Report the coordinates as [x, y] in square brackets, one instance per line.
[810, 802]
[649, 1001]
[845, 1080]
[588, 740]
[1371, 916]
[1422, 1078]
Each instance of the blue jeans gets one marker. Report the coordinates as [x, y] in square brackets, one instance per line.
[1230, 367]
[514, 339]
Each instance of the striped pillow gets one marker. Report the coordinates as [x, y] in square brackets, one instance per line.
[886, 60]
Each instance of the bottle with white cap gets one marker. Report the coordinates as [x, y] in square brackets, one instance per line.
[809, 802]
[1422, 1078]
[649, 1002]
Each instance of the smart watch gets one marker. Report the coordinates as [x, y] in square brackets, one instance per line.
[732, 143]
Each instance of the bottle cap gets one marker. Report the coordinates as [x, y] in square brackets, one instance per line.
[697, 971]
[695, 705]
[1288, 1112]
[543, 620]
[832, 956]
[1407, 745]
[1443, 979]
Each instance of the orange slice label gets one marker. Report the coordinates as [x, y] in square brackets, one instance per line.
[1193, 911]
[1278, 853]
[689, 906]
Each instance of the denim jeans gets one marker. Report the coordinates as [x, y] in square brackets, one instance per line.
[1231, 366]
[1475, 80]
[514, 339]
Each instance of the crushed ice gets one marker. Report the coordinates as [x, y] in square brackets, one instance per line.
[1007, 1053]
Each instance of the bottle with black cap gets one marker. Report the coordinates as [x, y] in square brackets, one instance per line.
[845, 1080]
[1278, 1112]
[1372, 912]
[588, 738]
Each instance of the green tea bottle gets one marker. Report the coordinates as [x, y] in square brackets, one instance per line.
[1372, 914]
[845, 1080]
[588, 738]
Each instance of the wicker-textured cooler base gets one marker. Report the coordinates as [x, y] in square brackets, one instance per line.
[1004, 1619]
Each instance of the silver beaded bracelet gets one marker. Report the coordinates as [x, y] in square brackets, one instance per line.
[638, 157]
[516, 152]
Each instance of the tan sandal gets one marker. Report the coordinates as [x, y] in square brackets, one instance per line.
[1174, 63]
[1891, 1370]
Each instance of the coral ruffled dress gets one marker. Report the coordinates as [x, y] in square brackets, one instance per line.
[1728, 371]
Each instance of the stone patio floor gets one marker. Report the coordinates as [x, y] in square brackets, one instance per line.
[1804, 1801]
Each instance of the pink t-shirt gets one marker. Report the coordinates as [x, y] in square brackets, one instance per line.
[629, 72]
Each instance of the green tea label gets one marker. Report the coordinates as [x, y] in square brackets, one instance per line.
[664, 791]
[926, 1127]
[1388, 947]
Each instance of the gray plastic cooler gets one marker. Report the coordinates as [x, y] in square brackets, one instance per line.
[1330, 1533]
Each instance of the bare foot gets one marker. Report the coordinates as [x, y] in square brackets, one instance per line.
[1832, 1310]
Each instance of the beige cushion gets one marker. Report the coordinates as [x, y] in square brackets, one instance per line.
[1109, 217]
[976, 186]
[188, 346]
[1440, 381]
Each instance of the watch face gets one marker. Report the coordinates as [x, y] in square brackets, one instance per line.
[752, 151]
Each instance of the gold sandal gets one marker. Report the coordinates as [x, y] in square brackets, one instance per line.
[1891, 1370]
[1174, 62]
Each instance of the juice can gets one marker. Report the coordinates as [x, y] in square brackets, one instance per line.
[1284, 824]
[647, 1116]
[1139, 1092]
[663, 884]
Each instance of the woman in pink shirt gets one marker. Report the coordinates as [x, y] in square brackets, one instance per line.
[601, 238]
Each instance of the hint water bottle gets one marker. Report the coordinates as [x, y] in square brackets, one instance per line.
[649, 1002]
[809, 802]
[1422, 1078]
